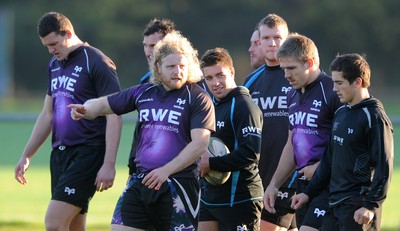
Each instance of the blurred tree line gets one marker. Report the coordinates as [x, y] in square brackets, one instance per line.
[337, 26]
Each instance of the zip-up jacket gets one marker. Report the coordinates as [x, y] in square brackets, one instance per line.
[239, 123]
[358, 162]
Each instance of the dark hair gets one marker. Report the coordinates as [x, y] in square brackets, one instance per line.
[162, 26]
[53, 22]
[216, 56]
[352, 66]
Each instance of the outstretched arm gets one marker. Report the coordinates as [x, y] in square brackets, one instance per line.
[90, 109]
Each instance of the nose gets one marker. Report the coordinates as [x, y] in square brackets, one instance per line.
[287, 74]
[51, 50]
[148, 51]
[335, 89]
[272, 42]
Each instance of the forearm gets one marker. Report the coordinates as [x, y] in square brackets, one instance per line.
[285, 167]
[40, 133]
[113, 135]
[189, 154]
[97, 107]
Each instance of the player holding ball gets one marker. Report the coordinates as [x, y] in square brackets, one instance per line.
[237, 203]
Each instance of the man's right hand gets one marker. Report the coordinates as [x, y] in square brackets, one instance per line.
[270, 195]
[20, 170]
[78, 111]
[299, 200]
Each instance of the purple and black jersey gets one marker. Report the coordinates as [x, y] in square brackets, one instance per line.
[87, 73]
[165, 119]
[310, 117]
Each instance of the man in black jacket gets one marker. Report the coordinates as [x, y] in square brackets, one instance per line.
[236, 204]
[358, 162]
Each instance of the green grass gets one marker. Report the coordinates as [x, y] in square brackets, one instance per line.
[23, 207]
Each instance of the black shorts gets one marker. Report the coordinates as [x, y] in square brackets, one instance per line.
[284, 216]
[314, 211]
[174, 206]
[341, 217]
[242, 216]
[73, 173]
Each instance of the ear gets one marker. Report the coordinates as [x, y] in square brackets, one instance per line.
[310, 64]
[358, 82]
[69, 33]
[233, 72]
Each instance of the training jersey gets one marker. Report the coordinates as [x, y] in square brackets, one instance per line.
[165, 119]
[132, 153]
[310, 117]
[268, 88]
[359, 158]
[85, 74]
[239, 124]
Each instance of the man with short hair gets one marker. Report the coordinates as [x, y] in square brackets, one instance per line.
[237, 203]
[155, 30]
[256, 54]
[358, 163]
[311, 106]
[84, 153]
[268, 88]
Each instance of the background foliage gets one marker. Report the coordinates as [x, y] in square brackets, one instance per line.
[339, 26]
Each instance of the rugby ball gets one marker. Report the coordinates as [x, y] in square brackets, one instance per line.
[216, 147]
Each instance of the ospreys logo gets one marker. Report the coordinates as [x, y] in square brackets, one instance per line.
[317, 103]
[77, 69]
[220, 124]
[283, 195]
[180, 101]
[286, 89]
[350, 131]
[242, 227]
[69, 190]
[319, 212]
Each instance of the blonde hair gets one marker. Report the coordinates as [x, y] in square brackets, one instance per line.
[300, 47]
[175, 43]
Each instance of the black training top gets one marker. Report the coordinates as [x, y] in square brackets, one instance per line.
[359, 158]
[239, 124]
[268, 88]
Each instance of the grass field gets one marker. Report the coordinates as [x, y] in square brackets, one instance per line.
[23, 207]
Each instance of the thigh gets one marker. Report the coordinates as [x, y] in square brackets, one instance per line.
[284, 215]
[242, 216]
[285, 220]
[344, 215]
[185, 198]
[316, 210]
[174, 206]
[73, 172]
[59, 215]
